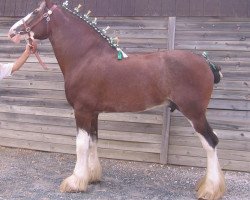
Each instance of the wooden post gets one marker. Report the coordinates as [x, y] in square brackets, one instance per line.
[165, 135]
[171, 32]
[166, 113]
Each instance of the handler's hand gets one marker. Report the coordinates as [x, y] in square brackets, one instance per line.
[30, 49]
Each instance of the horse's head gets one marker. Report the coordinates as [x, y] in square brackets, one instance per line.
[33, 25]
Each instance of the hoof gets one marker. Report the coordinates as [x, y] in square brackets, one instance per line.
[74, 184]
[200, 183]
[209, 190]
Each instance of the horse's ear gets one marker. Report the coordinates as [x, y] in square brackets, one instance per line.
[48, 3]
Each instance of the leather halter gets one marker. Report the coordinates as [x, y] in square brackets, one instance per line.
[31, 40]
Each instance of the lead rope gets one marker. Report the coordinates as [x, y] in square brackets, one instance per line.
[32, 43]
[40, 60]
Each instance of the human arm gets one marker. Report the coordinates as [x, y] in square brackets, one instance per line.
[22, 59]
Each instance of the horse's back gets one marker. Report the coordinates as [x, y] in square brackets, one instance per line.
[176, 61]
[186, 61]
[179, 67]
[141, 81]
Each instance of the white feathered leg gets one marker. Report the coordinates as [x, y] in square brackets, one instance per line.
[95, 169]
[212, 186]
[78, 181]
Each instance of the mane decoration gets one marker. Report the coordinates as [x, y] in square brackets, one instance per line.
[113, 42]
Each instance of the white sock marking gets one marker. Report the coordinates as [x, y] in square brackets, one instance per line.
[82, 151]
[213, 173]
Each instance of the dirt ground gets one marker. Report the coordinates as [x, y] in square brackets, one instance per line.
[34, 175]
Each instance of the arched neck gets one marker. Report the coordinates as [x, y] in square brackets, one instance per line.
[72, 39]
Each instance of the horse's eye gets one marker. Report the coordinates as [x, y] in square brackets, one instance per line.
[35, 11]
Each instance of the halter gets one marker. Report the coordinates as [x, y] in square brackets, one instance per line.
[31, 40]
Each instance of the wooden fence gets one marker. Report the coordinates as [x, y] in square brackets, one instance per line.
[227, 42]
[35, 115]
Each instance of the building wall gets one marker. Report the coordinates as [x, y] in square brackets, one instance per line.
[219, 8]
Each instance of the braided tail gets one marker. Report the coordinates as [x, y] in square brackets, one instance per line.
[215, 69]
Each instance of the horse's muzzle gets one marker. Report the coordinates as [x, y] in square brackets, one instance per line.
[13, 36]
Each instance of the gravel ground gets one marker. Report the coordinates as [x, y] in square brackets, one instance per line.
[26, 174]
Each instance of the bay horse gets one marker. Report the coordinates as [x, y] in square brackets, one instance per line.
[96, 81]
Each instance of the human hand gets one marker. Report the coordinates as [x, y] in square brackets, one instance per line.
[30, 48]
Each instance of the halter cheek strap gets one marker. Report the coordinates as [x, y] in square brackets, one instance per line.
[45, 16]
[31, 40]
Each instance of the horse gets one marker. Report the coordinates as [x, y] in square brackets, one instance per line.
[96, 81]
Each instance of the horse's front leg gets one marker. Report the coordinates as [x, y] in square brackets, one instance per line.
[79, 180]
[95, 169]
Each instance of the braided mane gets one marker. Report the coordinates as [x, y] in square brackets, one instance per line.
[93, 23]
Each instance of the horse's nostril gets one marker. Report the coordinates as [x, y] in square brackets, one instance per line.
[12, 35]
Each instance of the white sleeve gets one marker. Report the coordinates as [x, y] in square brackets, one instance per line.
[5, 70]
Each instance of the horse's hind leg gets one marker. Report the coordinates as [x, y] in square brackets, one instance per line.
[212, 186]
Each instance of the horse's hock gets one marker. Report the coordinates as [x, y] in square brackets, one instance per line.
[34, 113]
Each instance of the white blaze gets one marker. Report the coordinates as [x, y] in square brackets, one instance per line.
[20, 22]
[17, 38]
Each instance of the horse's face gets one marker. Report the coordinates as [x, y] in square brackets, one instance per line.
[34, 25]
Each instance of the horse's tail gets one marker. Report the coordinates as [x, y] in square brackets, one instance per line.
[215, 69]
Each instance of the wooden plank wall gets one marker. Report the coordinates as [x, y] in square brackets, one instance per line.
[229, 8]
[227, 41]
[34, 113]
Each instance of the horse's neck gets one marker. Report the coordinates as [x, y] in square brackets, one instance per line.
[73, 40]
